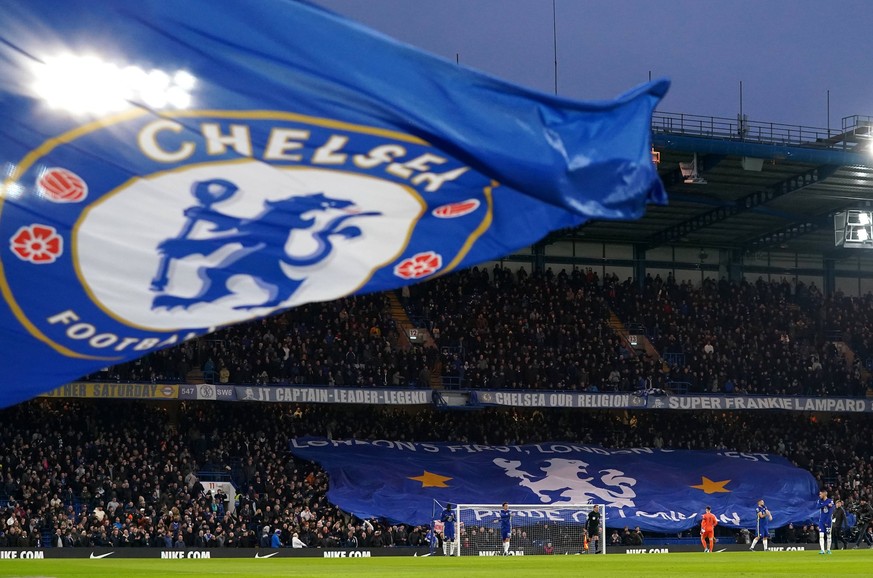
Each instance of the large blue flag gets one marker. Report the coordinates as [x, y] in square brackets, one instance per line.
[174, 167]
[659, 490]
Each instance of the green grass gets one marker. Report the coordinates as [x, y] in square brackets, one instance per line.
[795, 564]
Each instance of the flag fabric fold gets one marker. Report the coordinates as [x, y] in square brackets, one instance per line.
[655, 489]
[171, 168]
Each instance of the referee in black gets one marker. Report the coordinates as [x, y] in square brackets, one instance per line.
[592, 524]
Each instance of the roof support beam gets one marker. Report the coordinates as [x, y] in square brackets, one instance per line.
[798, 154]
[785, 234]
[747, 203]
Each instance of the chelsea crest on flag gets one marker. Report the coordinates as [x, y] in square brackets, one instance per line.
[655, 489]
[171, 168]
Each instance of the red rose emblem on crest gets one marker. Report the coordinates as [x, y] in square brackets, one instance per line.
[62, 186]
[419, 265]
[458, 209]
[37, 244]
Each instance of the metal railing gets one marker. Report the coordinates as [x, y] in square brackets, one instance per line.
[750, 130]
[451, 381]
[858, 124]
[680, 387]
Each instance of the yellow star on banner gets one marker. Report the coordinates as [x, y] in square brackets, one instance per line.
[432, 480]
[710, 487]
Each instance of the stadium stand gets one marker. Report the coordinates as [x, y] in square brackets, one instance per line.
[126, 474]
[500, 329]
[87, 473]
[346, 342]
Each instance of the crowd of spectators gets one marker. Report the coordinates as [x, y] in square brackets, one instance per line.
[345, 342]
[518, 331]
[852, 317]
[719, 337]
[503, 329]
[82, 473]
[757, 338]
[125, 473]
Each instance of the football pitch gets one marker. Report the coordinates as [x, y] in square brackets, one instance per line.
[842, 563]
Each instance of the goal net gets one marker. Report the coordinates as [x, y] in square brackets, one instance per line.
[555, 529]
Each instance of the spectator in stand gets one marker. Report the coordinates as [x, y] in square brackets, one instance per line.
[266, 539]
[615, 539]
[790, 534]
[548, 548]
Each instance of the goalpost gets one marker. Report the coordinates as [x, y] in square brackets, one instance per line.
[548, 529]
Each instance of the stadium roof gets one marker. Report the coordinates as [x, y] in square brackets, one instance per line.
[784, 200]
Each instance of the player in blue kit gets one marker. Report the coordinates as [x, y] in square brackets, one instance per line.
[505, 520]
[762, 518]
[825, 507]
[448, 520]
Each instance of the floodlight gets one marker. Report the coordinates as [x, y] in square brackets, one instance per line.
[88, 84]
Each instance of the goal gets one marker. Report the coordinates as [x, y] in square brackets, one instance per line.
[556, 529]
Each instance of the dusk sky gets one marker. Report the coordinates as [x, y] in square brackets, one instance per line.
[787, 53]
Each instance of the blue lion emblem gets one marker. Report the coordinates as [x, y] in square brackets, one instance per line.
[256, 238]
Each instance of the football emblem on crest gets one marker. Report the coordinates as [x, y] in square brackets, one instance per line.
[62, 186]
[456, 209]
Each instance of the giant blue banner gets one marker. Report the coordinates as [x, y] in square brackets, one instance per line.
[655, 489]
[173, 167]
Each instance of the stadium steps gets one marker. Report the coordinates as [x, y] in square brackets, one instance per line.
[846, 352]
[849, 354]
[401, 320]
[619, 329]
[436, 375]
[195, 377]
[643, 343]
[425, 339]
[404, 324]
